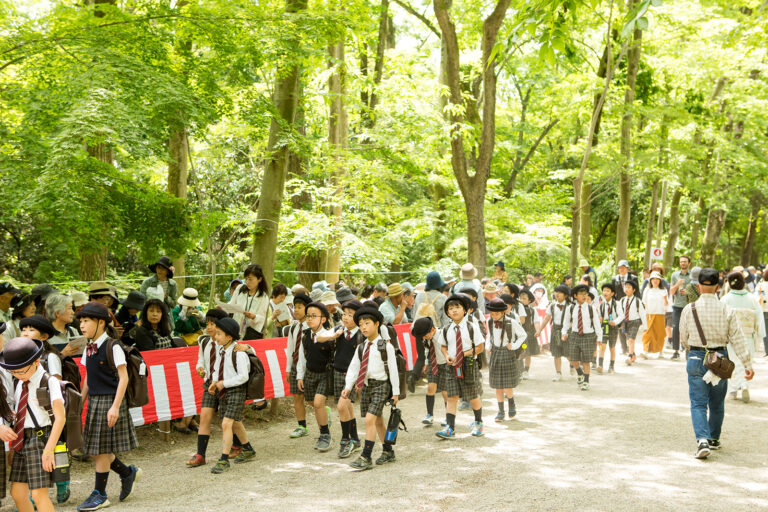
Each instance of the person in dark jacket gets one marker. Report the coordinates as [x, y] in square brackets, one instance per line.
[153, 330]
[128, 314]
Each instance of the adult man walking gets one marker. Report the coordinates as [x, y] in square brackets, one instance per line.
[678, 282]
[618, 282]
[719, 326]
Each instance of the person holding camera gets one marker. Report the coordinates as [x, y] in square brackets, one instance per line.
[709, 327]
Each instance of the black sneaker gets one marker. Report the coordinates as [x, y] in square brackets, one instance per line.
[675, 356]
[361, 463]
[714, 444]
[411, 381]
[126, 484]
[703, 451]
[386, 456]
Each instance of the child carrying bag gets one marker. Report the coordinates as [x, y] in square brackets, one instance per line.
[137, 393]
[713, 360]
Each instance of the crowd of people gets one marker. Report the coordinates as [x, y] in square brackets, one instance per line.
[341, 344]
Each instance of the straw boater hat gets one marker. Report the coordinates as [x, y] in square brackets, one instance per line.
[99, 288]
[394, 290]
[189, 298]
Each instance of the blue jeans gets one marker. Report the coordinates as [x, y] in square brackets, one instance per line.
[765, 339]
[705, 397]
[676, 314]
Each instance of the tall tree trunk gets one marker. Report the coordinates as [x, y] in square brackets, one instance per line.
[651, 223]
[178, 171]
[271, 199]
[696, 226]
[633, 60]
[93, 257]
[662, 211]
[715, 223]
[337, 140]
[749, 238]
[674, 229]
[585, 223]
[473, 188]
[369, 114]
[439, 194]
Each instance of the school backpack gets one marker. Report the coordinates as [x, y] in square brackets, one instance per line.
[427, 308]
[73, 405]
[137, 393]
[399, 361]
[69, 369]
[254, 389]
[591, 314]
[519, 353]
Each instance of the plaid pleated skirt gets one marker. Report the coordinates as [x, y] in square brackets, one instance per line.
[27, 465]
[293, 382]
[532, 342]
[453, 386]
[315, 383]
[632, 327]
[581, 347]
[211, 401]
[504, 370]
[232, 402]
[375, 395]
[98, 437]
[556, 346]
[339, 382]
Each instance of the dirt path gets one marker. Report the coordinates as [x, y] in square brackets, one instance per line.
[625, 445]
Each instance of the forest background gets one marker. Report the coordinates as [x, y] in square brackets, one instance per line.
[384, 138]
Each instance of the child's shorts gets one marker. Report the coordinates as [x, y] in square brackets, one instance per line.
[375, 395]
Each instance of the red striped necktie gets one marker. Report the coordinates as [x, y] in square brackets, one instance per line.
[581, 322]
[363, 367]
[459, 348]
[21, 416]
[432, 358]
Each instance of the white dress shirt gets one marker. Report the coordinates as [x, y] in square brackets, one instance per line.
[376, 370]
[33, 405]
[571, 323]
[295, 333]
[301, 365]
[117, 351]
[54, 364]
[466, 341]
[204, 355]
[611, 311]
[635, 308]
[557, 314]
[498, 337]
[232, 378]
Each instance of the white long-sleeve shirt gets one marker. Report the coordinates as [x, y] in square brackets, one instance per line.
[295, 333]
[571, 323]
[611, 311]
[634, 307]
[376, 370]
[232, 378]
[205, 352]
[449, 340]
[33, 405]
[256, 304]
[497, 337]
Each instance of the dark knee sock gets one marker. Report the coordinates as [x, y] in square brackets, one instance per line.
[527, 368]
[612, 363]
[236, 441]
[478, 414]
[368, 448]
[511, 402]
[101, 482]
[386, 447]
[586, 377]
[501, 407]
[202, 444]
[324, 429]
[602, 360]
[303, 423]
[344, 430]
[353, 430]
[430, 404]
[247, 446]
[224, 456]
[450, 419]
[120, 468]
[579, 371]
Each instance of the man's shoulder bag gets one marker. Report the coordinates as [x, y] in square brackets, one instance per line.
[713, 360]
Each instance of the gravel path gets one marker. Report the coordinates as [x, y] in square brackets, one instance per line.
[627, 444]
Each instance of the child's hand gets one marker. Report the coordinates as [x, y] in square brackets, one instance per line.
[112, 416]
[300, 382]
[7, 434]
[345, 393]
[48, 461]
[201, 372]
[450, 360]
[212, 388]
[612, 324]
[509, 346]
[395, 399]
[564, 338]
[220, 385]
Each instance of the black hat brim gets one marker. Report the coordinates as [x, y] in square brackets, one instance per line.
[15, 366]
[464, 299]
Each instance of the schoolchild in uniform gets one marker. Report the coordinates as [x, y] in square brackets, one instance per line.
[513, 298]
[556, 315]
[581, 330]
[38, 327]
[7, 406]
[108, 427]
[634, 317]
[348, 337]
[36, 432]
[424, 328]
[611, 316]
[313, 371]
[530, 325]
[293, 347]
[206, 367]
[505, 337]
[230, 383]
[376, 382]
[474, 316]
[457, 344]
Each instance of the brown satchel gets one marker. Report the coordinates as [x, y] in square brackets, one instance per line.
[713, 361]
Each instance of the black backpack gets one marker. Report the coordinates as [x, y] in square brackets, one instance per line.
[70, 372]
[137, 392]
[399, 361]
[73, 405]
[254, 389]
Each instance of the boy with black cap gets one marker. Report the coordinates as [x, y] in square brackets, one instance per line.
[295, 335]
[633, 317]
[581, 329]
[424, 329]
[347, 337]
[610, 319]
[108, 428]
[37, 327]
[377, 381]
[461, 343]
[313, 367]
[556, 315]
[229, 382]
[206, 367]
[505, 337]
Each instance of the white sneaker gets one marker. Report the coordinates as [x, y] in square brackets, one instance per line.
[580, 380]
[525, 375]
[558, 377]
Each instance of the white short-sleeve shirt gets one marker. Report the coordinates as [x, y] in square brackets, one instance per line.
[117, 351]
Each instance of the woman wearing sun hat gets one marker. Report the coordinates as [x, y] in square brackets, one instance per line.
[188, 316]
[163, 278]
[656, 301]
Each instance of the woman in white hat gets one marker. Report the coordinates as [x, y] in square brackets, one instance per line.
[188, 316]
[656, 302]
